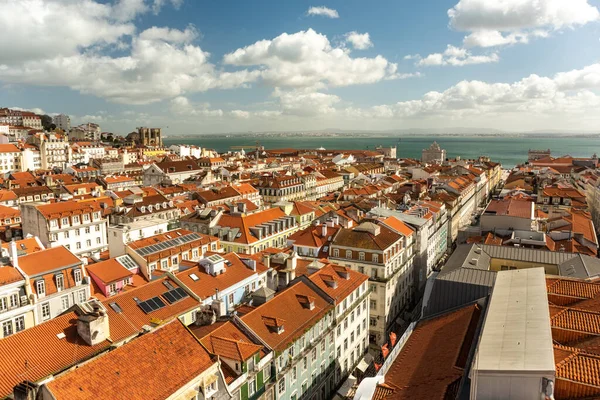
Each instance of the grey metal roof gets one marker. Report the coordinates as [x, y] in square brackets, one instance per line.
[457, 288]
[479, 256]
[409, 219]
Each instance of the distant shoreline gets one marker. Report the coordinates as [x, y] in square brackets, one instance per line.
[297, 135]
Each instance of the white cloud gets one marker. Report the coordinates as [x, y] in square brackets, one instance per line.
[307, 59]
[170, 35]
[240, 114]
[457, 57]
[502, 22]
[360, 41]
[323, 11]
[182, 106]
[35, 110]
[63, 49]
[565, 96]
[158, 5]
[305, 103]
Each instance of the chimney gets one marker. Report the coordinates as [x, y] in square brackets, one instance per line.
[92, 322]
[266, 260]
[13, 254]
[26, 390]
[324, 230]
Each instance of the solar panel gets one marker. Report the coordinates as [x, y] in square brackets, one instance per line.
[145, 307]
[181, 292]
[169, 297]
[154, 248]
[159, 302]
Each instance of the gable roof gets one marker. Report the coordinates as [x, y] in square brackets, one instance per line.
[155, 365]
[286, 310]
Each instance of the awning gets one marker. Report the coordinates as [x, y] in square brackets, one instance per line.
[347, 386]
[364, 363]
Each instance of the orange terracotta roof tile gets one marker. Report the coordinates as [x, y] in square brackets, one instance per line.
[277, 312]
[109, 271]
[398, 226]
[48, 260]
[206, 284]
[446, 339]
[39, 352]
[332, 279]
[9, 274]
[155, 365]
[132, 318]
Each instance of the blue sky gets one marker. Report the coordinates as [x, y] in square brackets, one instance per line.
[199, 66]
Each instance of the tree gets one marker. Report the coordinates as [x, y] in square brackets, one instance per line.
[46, 122]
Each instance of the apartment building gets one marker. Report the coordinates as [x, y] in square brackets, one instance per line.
[298, 324]
[78, 226]
[57, 279]
[281, 189]
[386, 255]
[165, 251]
[350, 291]
[122, 234]
[10, 158]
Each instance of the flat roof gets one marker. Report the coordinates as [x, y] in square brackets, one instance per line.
[517, 334]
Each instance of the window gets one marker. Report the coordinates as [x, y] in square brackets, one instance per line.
[86, 217]
[81, 296]
[7, 328]
[41, 288]
[175, 260]
[266, 373]
[348, 253]
[64, 221]
[45, 311]
[59, 282]
[97, 228]
[361, 256]
[64, 302]
[98, 241]
[294, 375]
[373, 321]
[375, 257]
[336, 253]
[19, 324]
[77, 276]
[66, 234]
[314, 355]
[281, 386]
[77, 232]
[14, 300]
[87, 229]
[78, 245]
[3, 304]
[88, 243]
[164, 264]
[112, 288]
[304, 363]
[251, 387]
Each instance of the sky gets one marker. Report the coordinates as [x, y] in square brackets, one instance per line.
[205, 66]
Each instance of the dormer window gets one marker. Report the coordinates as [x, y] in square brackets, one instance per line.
[65, 221]
[361, 256]
[77, 276]
[60, 282]
[375, 257]
[348, 253]
[86, 217]
[76, 219]
[40, 288]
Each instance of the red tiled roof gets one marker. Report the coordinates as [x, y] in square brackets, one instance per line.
[444, 341]
[230, 342]
[154, 366]
[38, 352]
[286, 310]
[47, 260]
[109, 271]
[330, 273]
[205, 286]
